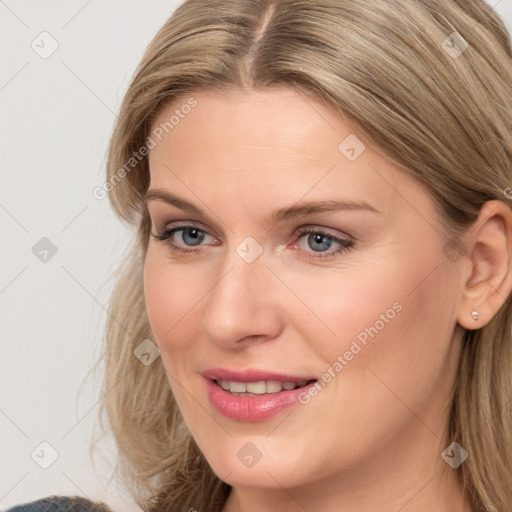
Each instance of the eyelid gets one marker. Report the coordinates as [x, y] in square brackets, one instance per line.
[184, 224]
[159, 213]
[327, 231]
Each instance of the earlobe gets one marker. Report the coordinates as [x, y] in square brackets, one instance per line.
[489, 281]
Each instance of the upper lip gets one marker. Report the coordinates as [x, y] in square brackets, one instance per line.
[251, 375]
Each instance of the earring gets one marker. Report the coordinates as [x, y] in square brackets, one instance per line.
[474, 313]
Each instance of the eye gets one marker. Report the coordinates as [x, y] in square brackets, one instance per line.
[318, 241]
[191, 236]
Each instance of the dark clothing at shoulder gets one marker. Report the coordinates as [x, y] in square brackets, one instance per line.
[61, 504]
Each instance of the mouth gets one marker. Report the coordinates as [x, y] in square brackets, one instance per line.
[262, 387]
[255, 400]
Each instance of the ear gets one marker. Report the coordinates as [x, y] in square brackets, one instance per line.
[488, 279]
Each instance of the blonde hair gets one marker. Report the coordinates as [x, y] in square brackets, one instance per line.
[388, 67]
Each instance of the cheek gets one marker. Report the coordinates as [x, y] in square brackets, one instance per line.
[391, 320]
[346, 306]
[158, 299]
[403, 326]
[170, 296]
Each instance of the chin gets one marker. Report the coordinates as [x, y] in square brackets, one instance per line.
[241, 464]
[258, 477]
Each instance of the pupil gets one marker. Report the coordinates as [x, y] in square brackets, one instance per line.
[195, 235]
[318, 238]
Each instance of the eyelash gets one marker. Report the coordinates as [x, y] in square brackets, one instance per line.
[346, 244]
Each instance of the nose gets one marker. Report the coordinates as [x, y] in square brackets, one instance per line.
[244, 304]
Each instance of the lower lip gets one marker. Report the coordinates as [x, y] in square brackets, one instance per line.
[252, 408]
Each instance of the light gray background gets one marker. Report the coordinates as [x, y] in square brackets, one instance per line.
[56, 118]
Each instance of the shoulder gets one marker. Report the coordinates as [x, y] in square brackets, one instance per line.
[61, 504]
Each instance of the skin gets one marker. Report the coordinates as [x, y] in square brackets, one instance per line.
[373, 436]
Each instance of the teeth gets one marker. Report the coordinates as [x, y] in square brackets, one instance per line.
[259, 388]
[237, 387]
[273, 386]
[224, 384]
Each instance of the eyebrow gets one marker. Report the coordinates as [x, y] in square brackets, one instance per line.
[281, 214]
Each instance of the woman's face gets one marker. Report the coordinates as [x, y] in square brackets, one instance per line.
[362, 299]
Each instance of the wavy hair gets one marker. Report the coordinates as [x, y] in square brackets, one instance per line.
[436, 108]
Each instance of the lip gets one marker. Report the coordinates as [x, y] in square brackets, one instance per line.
[252, 408]
[252, 375]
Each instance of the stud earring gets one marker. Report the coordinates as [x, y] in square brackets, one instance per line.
[474, 314]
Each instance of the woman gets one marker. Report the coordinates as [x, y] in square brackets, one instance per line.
[315, 314]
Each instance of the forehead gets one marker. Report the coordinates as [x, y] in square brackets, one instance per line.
[279, 120]
[273, 146]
